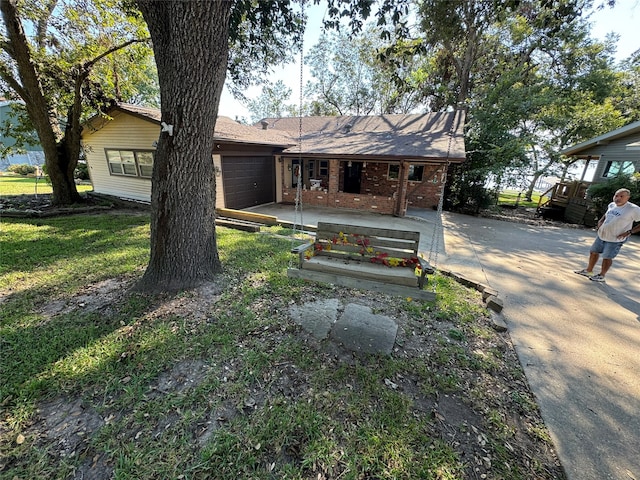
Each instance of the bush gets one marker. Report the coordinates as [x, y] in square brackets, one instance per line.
[22, 169]
[82, 172]
[601, 194]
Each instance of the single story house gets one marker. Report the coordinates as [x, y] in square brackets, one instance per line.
[616, 152]
[119, 151]
[379, 163]
[376, 163]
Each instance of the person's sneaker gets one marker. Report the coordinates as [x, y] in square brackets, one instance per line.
[584, 272]
[597, 278]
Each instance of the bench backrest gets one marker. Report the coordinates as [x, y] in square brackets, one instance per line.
[366, 243]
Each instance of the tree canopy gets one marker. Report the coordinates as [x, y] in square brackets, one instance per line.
[62, 60]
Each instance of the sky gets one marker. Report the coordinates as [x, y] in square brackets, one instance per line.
[623, 20]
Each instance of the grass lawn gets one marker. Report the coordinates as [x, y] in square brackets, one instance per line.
[220, 382]
[19, 185]
[510, 197]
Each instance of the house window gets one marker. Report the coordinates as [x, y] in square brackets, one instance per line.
[130, 163]
[311, 170]
[615, 168]
[415, 172]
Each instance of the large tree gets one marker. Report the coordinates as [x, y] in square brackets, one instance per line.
[49, 56]
[272, 102]
[191, 42]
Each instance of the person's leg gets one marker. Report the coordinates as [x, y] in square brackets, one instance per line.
[609, 252]
[606, 265]
[594, 254]
[593, 259]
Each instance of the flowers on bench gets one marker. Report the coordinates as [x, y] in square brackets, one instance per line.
[363, 242]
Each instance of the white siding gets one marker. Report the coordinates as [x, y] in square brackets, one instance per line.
[124, 132]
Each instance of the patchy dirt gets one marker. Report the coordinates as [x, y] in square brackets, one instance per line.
[65, 426]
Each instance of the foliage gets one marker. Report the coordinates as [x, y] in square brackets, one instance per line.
[346, 78]
[63, 59]
[22, 169]
[272, 103]
[601, 193]
[82, 171]
[466, 191]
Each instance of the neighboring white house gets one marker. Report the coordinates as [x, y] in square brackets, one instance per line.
[119, 150]
[615, 152]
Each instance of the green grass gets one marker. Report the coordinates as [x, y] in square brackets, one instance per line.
[18, 185]
[510, 197]
[228, 387]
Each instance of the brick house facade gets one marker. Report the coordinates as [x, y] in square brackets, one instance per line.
[382, 164]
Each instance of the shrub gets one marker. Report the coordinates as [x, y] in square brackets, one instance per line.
[82, 171]
[22, 169]
[601, 194]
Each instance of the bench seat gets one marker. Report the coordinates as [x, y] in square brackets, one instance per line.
[371, 258]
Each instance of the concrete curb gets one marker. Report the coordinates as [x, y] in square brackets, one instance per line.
[489, 296]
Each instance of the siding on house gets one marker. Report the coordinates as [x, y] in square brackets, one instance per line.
[617, 151]
[128, 133]
[620, 145]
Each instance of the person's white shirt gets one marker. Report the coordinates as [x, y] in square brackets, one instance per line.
[618, 219]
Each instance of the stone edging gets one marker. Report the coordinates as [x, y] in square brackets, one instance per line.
[489, 296]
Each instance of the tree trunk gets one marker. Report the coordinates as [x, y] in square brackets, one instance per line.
[532, 185]
[190, 42]
[58, 157]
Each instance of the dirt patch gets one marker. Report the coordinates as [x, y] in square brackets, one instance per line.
[99, 296]
[527, 216]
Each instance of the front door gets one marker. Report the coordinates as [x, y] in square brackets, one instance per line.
[352, 173]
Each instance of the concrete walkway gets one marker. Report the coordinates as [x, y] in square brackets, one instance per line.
[578, 341]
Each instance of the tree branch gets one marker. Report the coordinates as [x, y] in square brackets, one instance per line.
[87, 65]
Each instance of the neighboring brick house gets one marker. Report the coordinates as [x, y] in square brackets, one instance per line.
[378, 163]
[375, 163]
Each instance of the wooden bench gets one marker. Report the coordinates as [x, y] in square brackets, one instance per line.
[379, 259]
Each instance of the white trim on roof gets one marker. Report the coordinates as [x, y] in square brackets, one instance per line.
[603, 139]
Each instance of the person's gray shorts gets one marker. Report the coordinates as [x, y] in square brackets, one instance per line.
[607, 249]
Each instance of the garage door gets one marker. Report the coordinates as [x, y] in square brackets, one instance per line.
[248, 181]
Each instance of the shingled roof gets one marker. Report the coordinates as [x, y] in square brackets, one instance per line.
[430, 136]
[226, 129]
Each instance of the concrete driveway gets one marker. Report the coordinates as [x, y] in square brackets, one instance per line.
[578, 341]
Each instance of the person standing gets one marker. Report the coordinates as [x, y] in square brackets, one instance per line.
[613, 229]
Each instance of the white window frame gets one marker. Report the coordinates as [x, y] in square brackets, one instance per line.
[138, 159]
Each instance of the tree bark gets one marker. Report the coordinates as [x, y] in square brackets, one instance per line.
[190, 42]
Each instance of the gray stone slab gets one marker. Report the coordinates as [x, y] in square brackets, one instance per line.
[317, 317]
[360, 330]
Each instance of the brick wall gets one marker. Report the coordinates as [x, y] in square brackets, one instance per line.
[377, 191]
